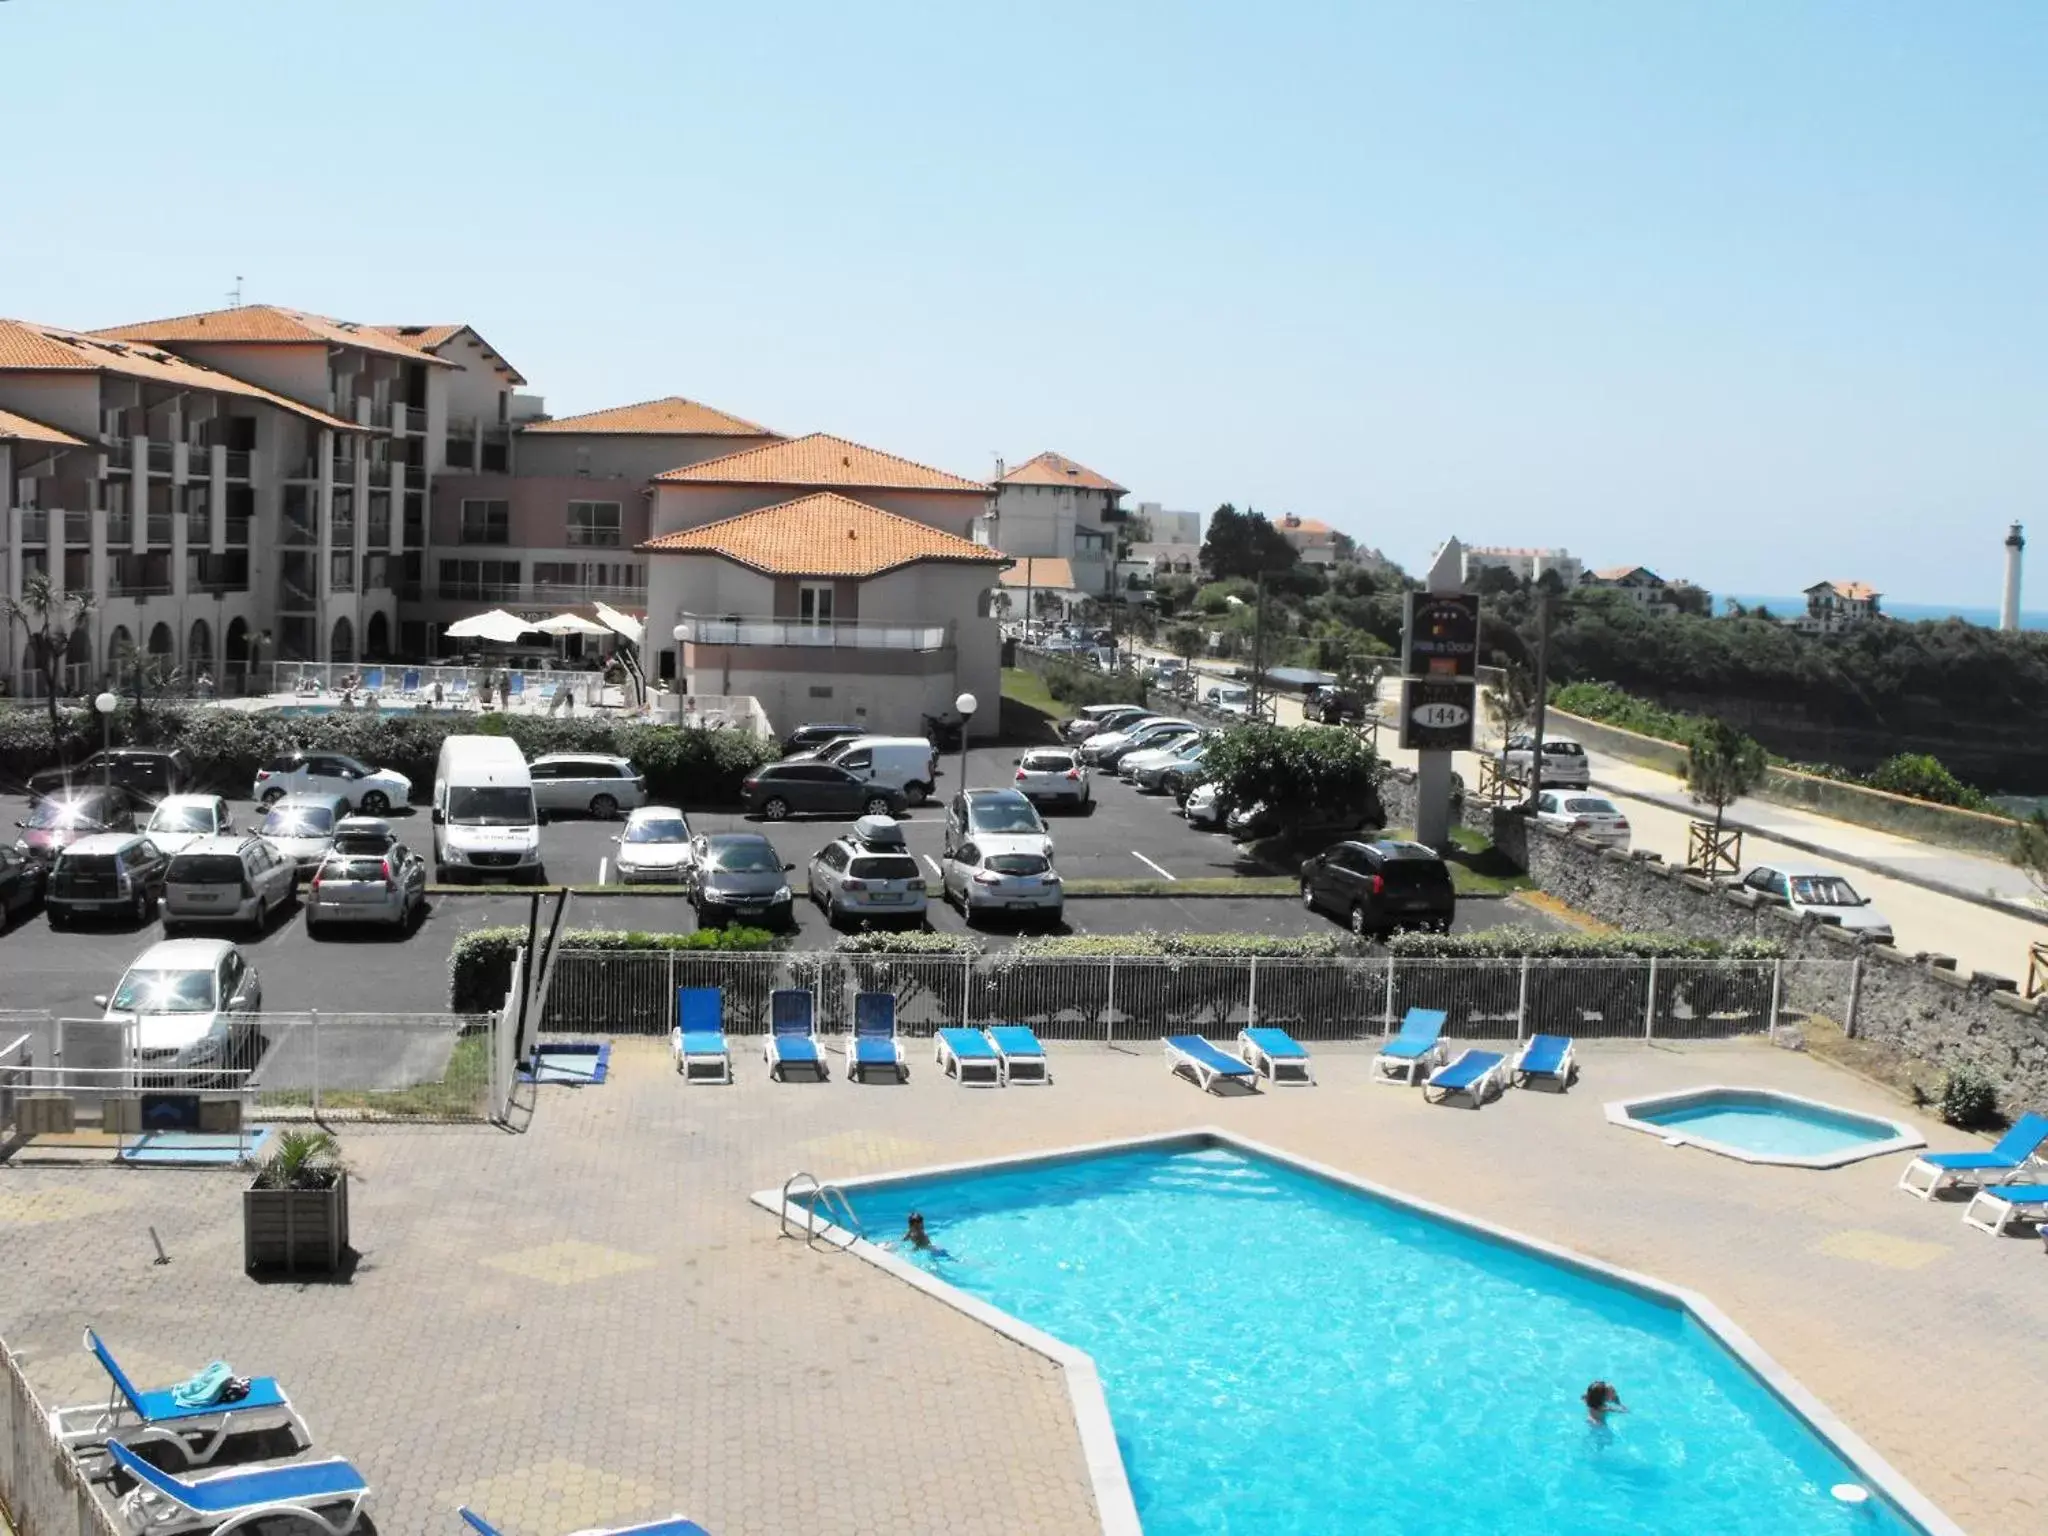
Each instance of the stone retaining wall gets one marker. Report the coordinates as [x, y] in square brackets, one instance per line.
[1920, 1005]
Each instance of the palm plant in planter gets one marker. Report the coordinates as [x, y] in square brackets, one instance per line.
[295, 1213]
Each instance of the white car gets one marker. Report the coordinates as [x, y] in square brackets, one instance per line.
[180, 820]
[1053, 776]
[980, 882]
[1595, 816]
[1229, 699]
[1094, 717]
[191, 1002]
[999, 820]
[1205, 807]
[1821, 892]
[371, 791]
[655, 847]
[1105, 747]
[1156, 753]
[1564, 761]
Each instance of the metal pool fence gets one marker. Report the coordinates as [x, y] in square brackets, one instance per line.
[1133, 997]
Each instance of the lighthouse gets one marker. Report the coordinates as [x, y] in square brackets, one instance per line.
[2009, 610]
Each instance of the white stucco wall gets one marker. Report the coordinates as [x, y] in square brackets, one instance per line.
[627, 456]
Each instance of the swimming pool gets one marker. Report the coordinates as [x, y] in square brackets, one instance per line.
[387, 710]
[1285, 1351]
[1760, 1125]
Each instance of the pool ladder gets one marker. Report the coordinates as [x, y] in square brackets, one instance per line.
[822, 1197]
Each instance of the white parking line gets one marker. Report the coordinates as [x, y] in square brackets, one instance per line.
[603, 865]
[935, 866]
[1169, 874]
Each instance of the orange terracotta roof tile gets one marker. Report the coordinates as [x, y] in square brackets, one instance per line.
[823, 535]
[670, 416]
[1057, 469]
[1851, 591]
[1053, 571]
[1622, 572]
[270, 323]
[820, 460]
[48, 349]
[431, 338]
[1289, 523]
[23, 429]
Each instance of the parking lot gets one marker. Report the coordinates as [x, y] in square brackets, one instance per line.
[1125, 836]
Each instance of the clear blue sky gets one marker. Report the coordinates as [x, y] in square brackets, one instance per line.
[1754, 293]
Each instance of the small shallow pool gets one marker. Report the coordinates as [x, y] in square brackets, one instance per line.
[1285, 1352]
[1759, 1125]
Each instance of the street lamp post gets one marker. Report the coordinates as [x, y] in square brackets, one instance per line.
[966, 704]
[106, 704]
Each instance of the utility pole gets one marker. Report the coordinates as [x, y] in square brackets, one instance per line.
[1542, 689]
[1256, 703]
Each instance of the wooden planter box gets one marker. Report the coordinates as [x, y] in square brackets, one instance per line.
[295, 1230]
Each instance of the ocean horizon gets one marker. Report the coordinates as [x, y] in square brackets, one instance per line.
[1907, 613]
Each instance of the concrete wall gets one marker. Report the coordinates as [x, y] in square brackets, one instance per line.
[1920, 1006]
[1919, 819]
[627, 456]
[539, 515]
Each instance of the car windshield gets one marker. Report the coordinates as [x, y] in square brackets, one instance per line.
[64, 813]
[888, 866]
[665, 829]
[205, 869]
[1019, 863]
[162, 991]
[299, 821]
[743, 859]
[1591, 806]
[357, 867]
[1004, 816]
[182, 818]
[1824, 891]
[490, 805]
[1047, 762]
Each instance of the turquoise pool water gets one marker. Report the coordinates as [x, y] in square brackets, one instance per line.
[1283, 1355]
[1768, 1126]
[335, 709]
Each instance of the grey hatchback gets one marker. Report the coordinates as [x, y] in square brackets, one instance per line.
[738, 875]
[782, 789]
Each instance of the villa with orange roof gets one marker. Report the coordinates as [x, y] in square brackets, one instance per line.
[1833, 606]
[1052, 505]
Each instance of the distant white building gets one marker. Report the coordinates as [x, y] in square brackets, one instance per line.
[1833, 606]
[1314, 540]
[1645, 586]
[1170, 527]
[1529, 564]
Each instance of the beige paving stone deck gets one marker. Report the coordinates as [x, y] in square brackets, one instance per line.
[588, 1323]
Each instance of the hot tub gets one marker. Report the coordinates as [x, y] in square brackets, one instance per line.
[1762, 1125]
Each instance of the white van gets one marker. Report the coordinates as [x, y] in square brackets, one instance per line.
[485, 822]
[908, 763]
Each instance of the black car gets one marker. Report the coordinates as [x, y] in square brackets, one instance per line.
[1333, 706]
[739, 875]
[809, 738]
[21, 885]
[1377, 887]
[146, 774]
[781, 790]
[110, 874]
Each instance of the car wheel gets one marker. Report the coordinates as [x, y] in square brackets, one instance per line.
[834, 919]
[374, 802]
[1358, 921]
[878, 805]
[272, 796]
[775, 808]
[603, 807]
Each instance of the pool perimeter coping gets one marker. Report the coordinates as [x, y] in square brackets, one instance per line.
[1621, 1112]
[1115, 1505]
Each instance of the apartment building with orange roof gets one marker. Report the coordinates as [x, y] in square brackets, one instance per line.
[1053, 505]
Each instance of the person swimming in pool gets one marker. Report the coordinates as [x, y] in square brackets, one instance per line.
[915, 1234]
[1601, 1400]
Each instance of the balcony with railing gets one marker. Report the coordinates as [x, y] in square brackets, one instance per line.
[77, 527]
[35, 526]
[852, 636]
[410, 418]
[120, 453]
[120, 528]
[161, 456]
[217, 574]
[238, 464]
[139, 575]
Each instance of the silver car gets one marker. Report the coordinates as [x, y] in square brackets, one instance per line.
[980, 883]
[1592, 816]
[1823, 893]
[1053, 776]
[301, 827]
[850, 880]
[180, 820]
[586, 784]
[228, 879]
[192, 1003]
[655, 847]
[367, 879]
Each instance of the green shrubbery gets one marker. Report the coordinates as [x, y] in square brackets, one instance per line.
[480, 964]
[1077, 686]
[1514, 943]
[227, 746]
[1610, 706]
[1969, 1100]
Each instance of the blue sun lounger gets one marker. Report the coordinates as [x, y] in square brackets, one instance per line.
[373, 680]
[672, 1525]
[1023, 1058]
[873, 1042]
[1477, 1074]
[162, 1503]
[2025, 1140]
[1546, 1058]
[792, 1034]
[698, 1039]
[135, 1416]
[1418, 1047]
[1206, 1064]
[1276, 1056]
[2006, 1203]
[967, 1055]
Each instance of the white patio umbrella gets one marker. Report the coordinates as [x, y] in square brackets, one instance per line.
[621, 623]
[496, 625]
[570, 624]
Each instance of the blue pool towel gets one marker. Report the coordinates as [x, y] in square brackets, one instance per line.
[204, 1388]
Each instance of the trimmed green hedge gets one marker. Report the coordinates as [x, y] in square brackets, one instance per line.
[1514, 943]
[227, 746]
[480, 964]
[1214, 946]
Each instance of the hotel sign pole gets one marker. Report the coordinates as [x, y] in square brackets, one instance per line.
[1440, 657]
